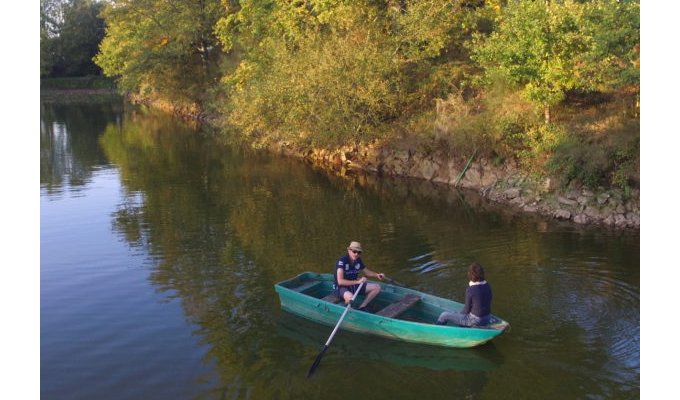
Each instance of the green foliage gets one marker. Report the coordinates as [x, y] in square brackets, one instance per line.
[330, 72]
[162, 49]
[548, 48]
[626, 171]
[596, 161]
[613, 27]
[426, 30]
[581, 162]
[540, 143]
[325, 94]
[497, 124]
[298, 82]
[70, 32]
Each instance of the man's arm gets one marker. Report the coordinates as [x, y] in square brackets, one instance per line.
[373, 274]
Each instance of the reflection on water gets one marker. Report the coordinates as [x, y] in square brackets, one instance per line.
[196, 232]
[68, 142]
[358, 348]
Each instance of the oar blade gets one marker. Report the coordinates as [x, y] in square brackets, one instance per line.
[317, 361]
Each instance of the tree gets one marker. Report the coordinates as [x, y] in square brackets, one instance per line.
[549, 47]
[161, 47]
[50, 15]
[70, 32]
[613, 60]
[337, 71]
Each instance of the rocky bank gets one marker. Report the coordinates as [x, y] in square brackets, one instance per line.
[505, 184]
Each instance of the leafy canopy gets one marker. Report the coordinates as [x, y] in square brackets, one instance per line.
[546, 48]
[162, 47]
[70, 32]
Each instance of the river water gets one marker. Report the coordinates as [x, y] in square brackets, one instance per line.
[160, 245]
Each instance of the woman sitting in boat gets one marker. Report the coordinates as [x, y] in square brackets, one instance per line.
[347, 279]
[477, 309]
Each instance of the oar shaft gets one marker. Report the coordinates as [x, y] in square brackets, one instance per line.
[390, 280]
[337, 326]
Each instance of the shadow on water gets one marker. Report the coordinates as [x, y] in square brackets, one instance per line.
[357, 348]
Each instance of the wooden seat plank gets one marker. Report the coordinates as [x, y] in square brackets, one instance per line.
[397, 308]
[332, 298]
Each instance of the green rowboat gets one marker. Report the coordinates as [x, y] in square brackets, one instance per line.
[398, 313]
[359, 347]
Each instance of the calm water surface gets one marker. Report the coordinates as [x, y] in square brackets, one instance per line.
[160, 246]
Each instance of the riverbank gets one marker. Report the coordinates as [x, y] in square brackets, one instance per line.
[78, 95]
[505, 184]
[78, 89]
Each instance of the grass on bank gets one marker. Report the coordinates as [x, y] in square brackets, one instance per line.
[91, 89]
[593, 140]
[80, 82]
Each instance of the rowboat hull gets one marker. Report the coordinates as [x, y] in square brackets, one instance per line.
[361, 348]
[304, 295]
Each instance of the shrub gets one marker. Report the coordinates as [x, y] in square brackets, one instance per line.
[597, 163]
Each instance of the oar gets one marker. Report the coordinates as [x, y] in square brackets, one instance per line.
[328, 342]
[392, 281]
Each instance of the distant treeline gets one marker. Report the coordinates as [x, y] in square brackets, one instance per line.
[553, 84]
[70, 34]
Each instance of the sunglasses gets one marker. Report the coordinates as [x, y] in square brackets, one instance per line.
[355, 252]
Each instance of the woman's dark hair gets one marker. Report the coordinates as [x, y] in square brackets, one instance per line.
[476, 272]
